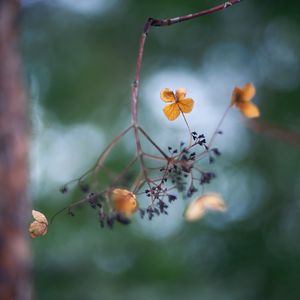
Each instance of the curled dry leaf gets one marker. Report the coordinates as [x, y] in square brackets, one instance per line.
[198, 207]
[124, 201]
[39, 226]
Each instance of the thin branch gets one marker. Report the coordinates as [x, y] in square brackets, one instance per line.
[83, 200]
[124, 172]
[218, 126]
[154, 157]
[104, 154]
[153, 143]
[135, 85]
[168, 22]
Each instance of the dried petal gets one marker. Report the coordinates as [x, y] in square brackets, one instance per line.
[241, 98]
[236, 96]
[244, 94]
[38, 216]
[180, 94]
[180, 105]
[248, 92]
[124, 201]
[186, 105]
[37, 229]
[202, 204]
[172, 111]
[248, 109]
[167, 95]
[39, 226]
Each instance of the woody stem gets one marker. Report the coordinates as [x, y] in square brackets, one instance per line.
[135, 85]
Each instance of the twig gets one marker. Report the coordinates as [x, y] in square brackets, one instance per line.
[135, 85]
[104, 154]
[218, 126]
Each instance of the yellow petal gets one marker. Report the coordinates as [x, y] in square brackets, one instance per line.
[172, 111]
[248, 92]
[180, 93]
[198, 207]
[37, 229]
[248, 109]
[186, 105]
[167, 95]
[124, 201]
[38, 216]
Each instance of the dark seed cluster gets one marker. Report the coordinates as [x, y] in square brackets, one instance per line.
[157, 208]
[106, 217]
[109, 219]
[180, 174]
[199, 139]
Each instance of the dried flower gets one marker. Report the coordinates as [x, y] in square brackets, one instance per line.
[241, 98]
[180, 105]
[124, 201]
[39, 226]
[198, 207]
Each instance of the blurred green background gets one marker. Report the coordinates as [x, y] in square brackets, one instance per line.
[79, 59]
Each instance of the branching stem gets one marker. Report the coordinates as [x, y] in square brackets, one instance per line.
[135, 85]
[104, 154]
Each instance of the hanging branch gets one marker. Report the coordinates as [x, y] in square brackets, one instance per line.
[159, 23]
[165, 176]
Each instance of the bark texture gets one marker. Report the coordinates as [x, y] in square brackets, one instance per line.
[14, 253]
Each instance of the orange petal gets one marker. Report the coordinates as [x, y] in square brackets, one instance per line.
[186, 105]
[248, 109]
[171, 111]
[244, 94]
[248, 92]
[236, 96]
[198, 207]
[124, 201]
[180, 93]
[167, 95]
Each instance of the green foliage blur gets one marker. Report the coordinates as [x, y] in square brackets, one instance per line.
[79, 63]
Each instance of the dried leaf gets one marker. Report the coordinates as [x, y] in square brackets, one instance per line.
[180, 93]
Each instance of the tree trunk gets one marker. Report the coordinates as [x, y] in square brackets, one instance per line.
[14, 250]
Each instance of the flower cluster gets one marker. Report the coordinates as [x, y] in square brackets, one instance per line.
[182, 172]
